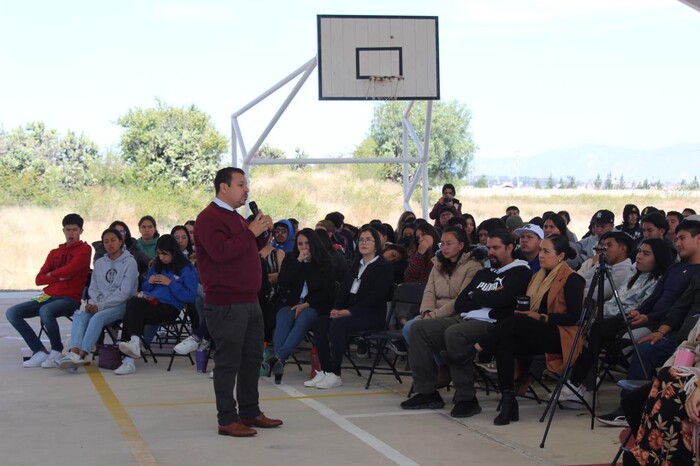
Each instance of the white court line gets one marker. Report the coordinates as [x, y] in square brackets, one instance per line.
[343, 423]
[393, 413]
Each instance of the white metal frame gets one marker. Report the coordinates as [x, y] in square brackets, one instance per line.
[409, 133]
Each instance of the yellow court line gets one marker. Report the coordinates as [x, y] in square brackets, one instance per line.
[138, 447]
[271, 398]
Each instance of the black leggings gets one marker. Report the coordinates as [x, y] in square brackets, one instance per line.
[140, 312]
[331, 337]
[515, 336]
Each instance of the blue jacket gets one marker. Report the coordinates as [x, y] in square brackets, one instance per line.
[289, 244]
[182, 290]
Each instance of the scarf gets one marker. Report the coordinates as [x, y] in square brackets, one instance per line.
[540, 284]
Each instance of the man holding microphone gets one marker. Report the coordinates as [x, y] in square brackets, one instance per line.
[230, 271]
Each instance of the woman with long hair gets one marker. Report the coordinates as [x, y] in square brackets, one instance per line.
[306, 292]
[169, 284]
[420, 262]
[360, 305]
[114, 280]
[471, 229]
[555, 224]
[556, 301]
[184, 240]
[142, 260]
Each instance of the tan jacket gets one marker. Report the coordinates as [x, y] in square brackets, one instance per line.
[442, 290]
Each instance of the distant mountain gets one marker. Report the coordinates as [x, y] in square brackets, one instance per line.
[668, 164]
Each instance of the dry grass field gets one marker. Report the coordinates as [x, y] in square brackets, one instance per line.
[29, 232]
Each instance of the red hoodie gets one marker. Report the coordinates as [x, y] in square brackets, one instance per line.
[69, 265]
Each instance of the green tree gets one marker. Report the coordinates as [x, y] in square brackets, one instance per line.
[35, 151]
[550, 182]
[644, 185]
[538, 185]
[684, 185]
[482, 182]
[268, 152]
[598, 183]
[561, 184]
[608, 182]
[175, 145]
[451, 145]
[301, 155]
[571, 183]
[694, 185]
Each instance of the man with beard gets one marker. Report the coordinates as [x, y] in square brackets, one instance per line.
[489, 297]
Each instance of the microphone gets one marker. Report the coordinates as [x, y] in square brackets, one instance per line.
[255, 211]
[253, 208]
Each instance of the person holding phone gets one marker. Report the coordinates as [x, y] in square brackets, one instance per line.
[447, 200]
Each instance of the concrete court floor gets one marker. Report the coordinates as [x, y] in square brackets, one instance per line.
[156, 417]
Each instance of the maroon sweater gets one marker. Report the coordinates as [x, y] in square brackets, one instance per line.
[227, 257]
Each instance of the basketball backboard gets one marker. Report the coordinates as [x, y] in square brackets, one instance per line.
[378, 57]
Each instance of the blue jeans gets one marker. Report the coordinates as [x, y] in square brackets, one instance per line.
[87, 328]
[289, 332]
[406, 330]
[652, 356]
[48, 312]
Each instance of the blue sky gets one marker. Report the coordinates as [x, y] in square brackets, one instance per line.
[536, 74]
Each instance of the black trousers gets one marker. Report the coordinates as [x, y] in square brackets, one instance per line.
[519, 335]
[238, 334]
[140, 312]
[331, 337]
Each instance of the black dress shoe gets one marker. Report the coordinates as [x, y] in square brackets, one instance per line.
[509, 409]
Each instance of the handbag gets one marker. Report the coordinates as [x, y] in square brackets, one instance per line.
[109, 357]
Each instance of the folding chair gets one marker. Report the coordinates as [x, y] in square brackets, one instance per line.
[175, 331]
[404, 293]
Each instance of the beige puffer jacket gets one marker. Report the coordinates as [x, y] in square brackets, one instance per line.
[442, 290]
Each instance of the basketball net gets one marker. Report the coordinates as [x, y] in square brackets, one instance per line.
[383, 87]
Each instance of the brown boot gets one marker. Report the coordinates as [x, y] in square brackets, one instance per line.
[444, 377]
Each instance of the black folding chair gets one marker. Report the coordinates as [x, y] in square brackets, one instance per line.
[404, 293]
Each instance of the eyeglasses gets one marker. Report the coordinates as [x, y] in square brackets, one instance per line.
[365, 240]
[280, 230]
[122, 232]
[178, 237]
[447, 244]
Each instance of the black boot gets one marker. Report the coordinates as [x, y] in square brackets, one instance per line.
[509, 409]
[463, 358]
[278, 371]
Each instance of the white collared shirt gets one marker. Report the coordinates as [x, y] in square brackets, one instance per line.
[222, 204]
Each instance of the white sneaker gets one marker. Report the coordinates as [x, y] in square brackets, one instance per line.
[187, 345]
[127, 367]
[51, 360]
[569, 400]
[131, 349]
[211, 375]
[36, 360]
[204, 344]
[320, 375]
[330, 381]
[68, 362]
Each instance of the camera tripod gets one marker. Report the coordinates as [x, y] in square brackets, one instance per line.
[586, 320]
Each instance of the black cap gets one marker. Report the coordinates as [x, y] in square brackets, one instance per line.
[604, 217]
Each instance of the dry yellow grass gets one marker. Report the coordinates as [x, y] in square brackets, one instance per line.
[29, 232]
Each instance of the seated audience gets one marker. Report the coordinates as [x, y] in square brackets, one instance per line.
[114, 280]
[530, 236]
[489, 297]
[360, 305]
[617, 247]
[283, 236]
[567, 218]
[64, 273]
[169, 285]
[307, 290]
[556, 297]
[395, 254]
[655, 225]
[471, 229]
[674, 219]
[142, 260]
[687, 212]
[182, 236]
[512, 210]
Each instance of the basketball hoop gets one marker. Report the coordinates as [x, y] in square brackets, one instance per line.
[383, 87]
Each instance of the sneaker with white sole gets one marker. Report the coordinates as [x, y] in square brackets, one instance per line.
[569, 400]
[330, 381]
[51, 359]
[131, 348]
[68, 362]
[36, 360]
[320, 375]
[204, 344]
[127, 367]
[187, 345]
[614, 419]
